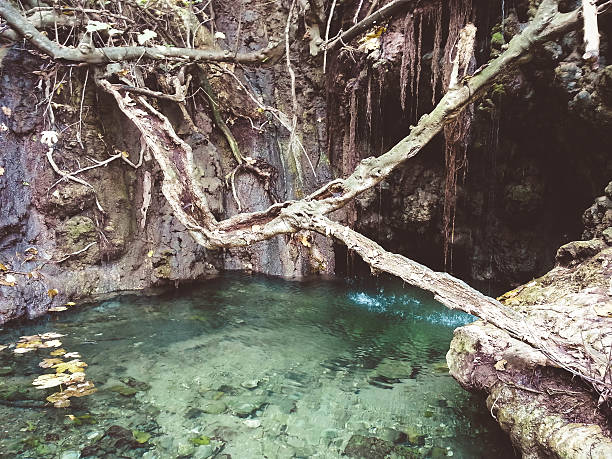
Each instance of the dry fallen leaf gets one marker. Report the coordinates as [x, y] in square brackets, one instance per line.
[6, 110]
[501, 365]
[48, 363]
[51, 335]
[1, 171]
[3, 267]
[53, 292]
[74, 366]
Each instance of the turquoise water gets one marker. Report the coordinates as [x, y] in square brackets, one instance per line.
[250, 367]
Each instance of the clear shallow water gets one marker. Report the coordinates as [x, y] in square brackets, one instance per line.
[252, 367]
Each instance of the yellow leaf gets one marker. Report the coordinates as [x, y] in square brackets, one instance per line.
[150, 253]
[58, 309]
[60, 351]
[304, 240]
[3, 347]
[52, 292]
[125, 154]
[3, 267]
[501, 365]
[73, 366]
[48, 363]
[71, 303]
[32, 250]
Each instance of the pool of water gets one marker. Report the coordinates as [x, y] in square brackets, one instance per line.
[250, 367]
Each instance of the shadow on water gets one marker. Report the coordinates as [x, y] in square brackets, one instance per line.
[253, 367]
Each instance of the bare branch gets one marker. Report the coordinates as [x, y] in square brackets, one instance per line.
[25, 29]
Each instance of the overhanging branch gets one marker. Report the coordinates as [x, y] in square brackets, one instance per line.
[22, 27]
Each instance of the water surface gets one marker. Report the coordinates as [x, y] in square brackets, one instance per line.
[251, 367]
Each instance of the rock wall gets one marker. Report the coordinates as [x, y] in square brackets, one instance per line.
[538, 153]
[56, 246]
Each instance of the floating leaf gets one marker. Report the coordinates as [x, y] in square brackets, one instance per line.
[56, 352]
[51, 335]
[51, 380]
[58, 309]
[52, 343]
[140, 436]
[145, 36]
[71, 303]
[72, 355]
[52, 292]
[3, 347]
[60, 399]
[74, 366]
[48, 363]
[23, 350]
[9, 280]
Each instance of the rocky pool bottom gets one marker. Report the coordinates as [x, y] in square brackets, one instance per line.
[250, 367]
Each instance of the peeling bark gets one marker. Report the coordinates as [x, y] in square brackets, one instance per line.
[591, 32]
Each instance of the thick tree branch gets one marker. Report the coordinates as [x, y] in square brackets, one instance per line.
[382, 14]
[27, 30]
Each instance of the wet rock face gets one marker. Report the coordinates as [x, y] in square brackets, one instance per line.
[125, 249]
[539, 154]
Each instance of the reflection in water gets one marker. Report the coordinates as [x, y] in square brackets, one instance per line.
[253, 367]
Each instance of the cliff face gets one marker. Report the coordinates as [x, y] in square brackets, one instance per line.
[55, 237]
[537, 155]
[538, 152]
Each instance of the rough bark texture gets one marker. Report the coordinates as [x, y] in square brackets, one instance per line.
[544, 411]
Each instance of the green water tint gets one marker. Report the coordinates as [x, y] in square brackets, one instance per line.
[251, 367]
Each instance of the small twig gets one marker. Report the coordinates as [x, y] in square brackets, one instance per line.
[74, 179]
[67, 176]
[61, 260]
[78, 134]
[356, 17]
[329, 21]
